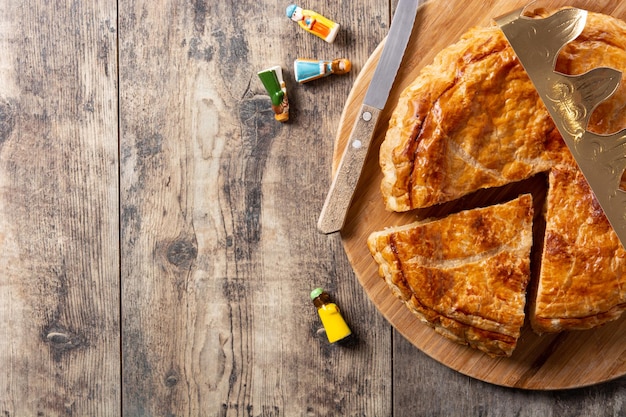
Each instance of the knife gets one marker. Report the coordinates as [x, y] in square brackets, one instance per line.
[342, 188]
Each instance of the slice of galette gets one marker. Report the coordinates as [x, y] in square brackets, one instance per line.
[465, 275]
[582, 283]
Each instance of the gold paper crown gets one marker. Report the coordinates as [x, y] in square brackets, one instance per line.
[571, 99]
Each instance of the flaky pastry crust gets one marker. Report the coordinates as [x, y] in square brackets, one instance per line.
[465, 275]
[582, 283]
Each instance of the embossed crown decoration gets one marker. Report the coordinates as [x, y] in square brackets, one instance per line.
[571, 99]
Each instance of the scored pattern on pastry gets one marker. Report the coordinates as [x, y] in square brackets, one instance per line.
[491, 112]
[582, 283]
[466, 274]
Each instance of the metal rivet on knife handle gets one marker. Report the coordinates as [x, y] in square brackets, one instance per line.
[342, 188]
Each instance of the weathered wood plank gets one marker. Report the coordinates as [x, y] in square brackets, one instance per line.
[424, 387]
[59, 285]
[219, 205]
[218, 212]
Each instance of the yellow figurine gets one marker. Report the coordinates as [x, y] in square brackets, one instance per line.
[334, 324]
[313, 23]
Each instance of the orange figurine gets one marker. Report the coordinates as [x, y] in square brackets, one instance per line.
[313, 23]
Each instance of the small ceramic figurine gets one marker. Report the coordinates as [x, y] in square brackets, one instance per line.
[313, 22]
[306, 70]
[272, 79]
[334, 324]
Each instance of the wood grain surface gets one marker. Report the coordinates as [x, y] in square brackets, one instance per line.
[566, 360]
[158, 236]
[219, 204]
[59, 235]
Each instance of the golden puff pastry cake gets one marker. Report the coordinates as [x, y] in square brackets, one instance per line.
[472, 119]
[582, 283]
[466, 274]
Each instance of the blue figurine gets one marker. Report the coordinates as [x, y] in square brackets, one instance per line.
[306, 70]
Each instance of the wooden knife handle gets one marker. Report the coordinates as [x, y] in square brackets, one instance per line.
[342, 188]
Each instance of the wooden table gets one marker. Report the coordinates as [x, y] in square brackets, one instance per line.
[158, 234]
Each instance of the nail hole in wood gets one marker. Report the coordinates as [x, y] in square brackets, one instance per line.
[58, 338]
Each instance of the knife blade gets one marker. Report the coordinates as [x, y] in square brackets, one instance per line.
[341, 193]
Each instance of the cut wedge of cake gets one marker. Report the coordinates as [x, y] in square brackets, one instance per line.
[582, 283]
[466, 274]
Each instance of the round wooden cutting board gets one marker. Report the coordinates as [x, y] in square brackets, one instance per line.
[565, 360]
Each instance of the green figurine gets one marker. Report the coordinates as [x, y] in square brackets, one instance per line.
[272, 79]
